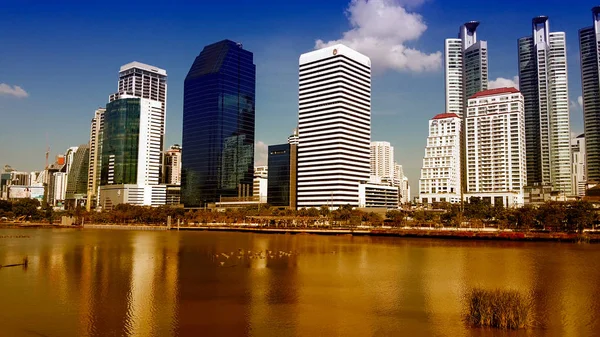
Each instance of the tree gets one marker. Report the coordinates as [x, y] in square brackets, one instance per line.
[396, 217]
[523, 217]
[579, 215]
[477, 208]
[324, 211]
[551, 214]
[26, 207]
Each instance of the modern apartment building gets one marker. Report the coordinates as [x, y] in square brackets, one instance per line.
[578, 153]
[334, 126]
[218, 125]
[131, 153]
[466, 67]
[96, 128]
[495, 147]
[382, 160]
[144, 81]
[440, 175]
[401, 181]
[589, 47]
[544, 84]
[77, 177]
[172, 166]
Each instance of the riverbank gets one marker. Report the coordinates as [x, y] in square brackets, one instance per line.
[420, 232]
[448, 233]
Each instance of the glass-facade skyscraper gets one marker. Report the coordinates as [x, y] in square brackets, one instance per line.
[279, 181]
[218, 125]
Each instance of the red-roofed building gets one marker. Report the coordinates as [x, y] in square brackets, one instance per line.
[496, 91]
[440, 179]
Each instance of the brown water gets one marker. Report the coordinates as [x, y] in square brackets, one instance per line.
[156, 283]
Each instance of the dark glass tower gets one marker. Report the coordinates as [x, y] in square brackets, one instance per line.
[278, 183]
[218, 125]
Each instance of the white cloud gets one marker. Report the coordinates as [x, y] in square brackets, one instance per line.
[17, 91]
[577, 105]
[380, 30]
[261, 153]
[502, 82]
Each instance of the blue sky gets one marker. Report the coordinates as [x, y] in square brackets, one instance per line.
[65, 58]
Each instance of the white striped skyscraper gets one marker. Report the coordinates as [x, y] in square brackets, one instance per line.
[334, 126]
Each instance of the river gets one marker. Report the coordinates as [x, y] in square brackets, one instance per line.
[160, 283]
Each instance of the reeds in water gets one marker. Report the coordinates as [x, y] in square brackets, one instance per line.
[503, 309]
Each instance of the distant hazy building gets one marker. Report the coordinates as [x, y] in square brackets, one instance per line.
[172, 165]
[131, 153]
[578, 153]
[589, 46]
[441, 172]
[96, 128]
[466, 67]
[401, 181]
[495, 146]
[334, 126]
[218, 125]
[544, 85]
[77, 177]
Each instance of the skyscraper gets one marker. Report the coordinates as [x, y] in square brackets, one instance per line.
[440, 175]
[334, 126]
[466, 63]
[218, 125]
[96, 128]
[495, 146]
[144, 81]
[382, 160]
[77, 176]
[131, 153]
[544, 85]
[589, 42]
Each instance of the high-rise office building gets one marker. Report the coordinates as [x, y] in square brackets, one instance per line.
[589, 47]
[282, 176]
[544, 85]
[131, 153]
[77, 177]
[466, 67]
[495, 146]
[579, 154]
[334, 126]
[172, 166]
[96, 129]
[382, 160]
[440, 175]
[218, 125]
[144, 81]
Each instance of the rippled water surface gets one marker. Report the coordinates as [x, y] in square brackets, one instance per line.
[158, 283]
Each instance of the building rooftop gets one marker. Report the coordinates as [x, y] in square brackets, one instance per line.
[497, 91]
[143, 66]
[445, 115]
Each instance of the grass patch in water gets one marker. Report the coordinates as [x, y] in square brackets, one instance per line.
[502, 309]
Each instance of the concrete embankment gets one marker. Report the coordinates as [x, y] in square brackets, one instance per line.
[126, 227]
[466, 234]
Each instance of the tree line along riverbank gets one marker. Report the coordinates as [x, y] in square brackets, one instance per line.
[562, 221]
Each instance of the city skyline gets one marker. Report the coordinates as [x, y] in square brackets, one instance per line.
[401, 105]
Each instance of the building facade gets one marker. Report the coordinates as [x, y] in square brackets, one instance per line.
[334, 126]
[373, 195]
[495, 147]
[441, 172]
[77, 177]
[172, 166]
[544, 84]
[282, 176]
[382, 160]
[589, 47]
[578, 154]
[218, 125]
[466, 67]
[96, 128]
[131, 153]
[143, 81]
